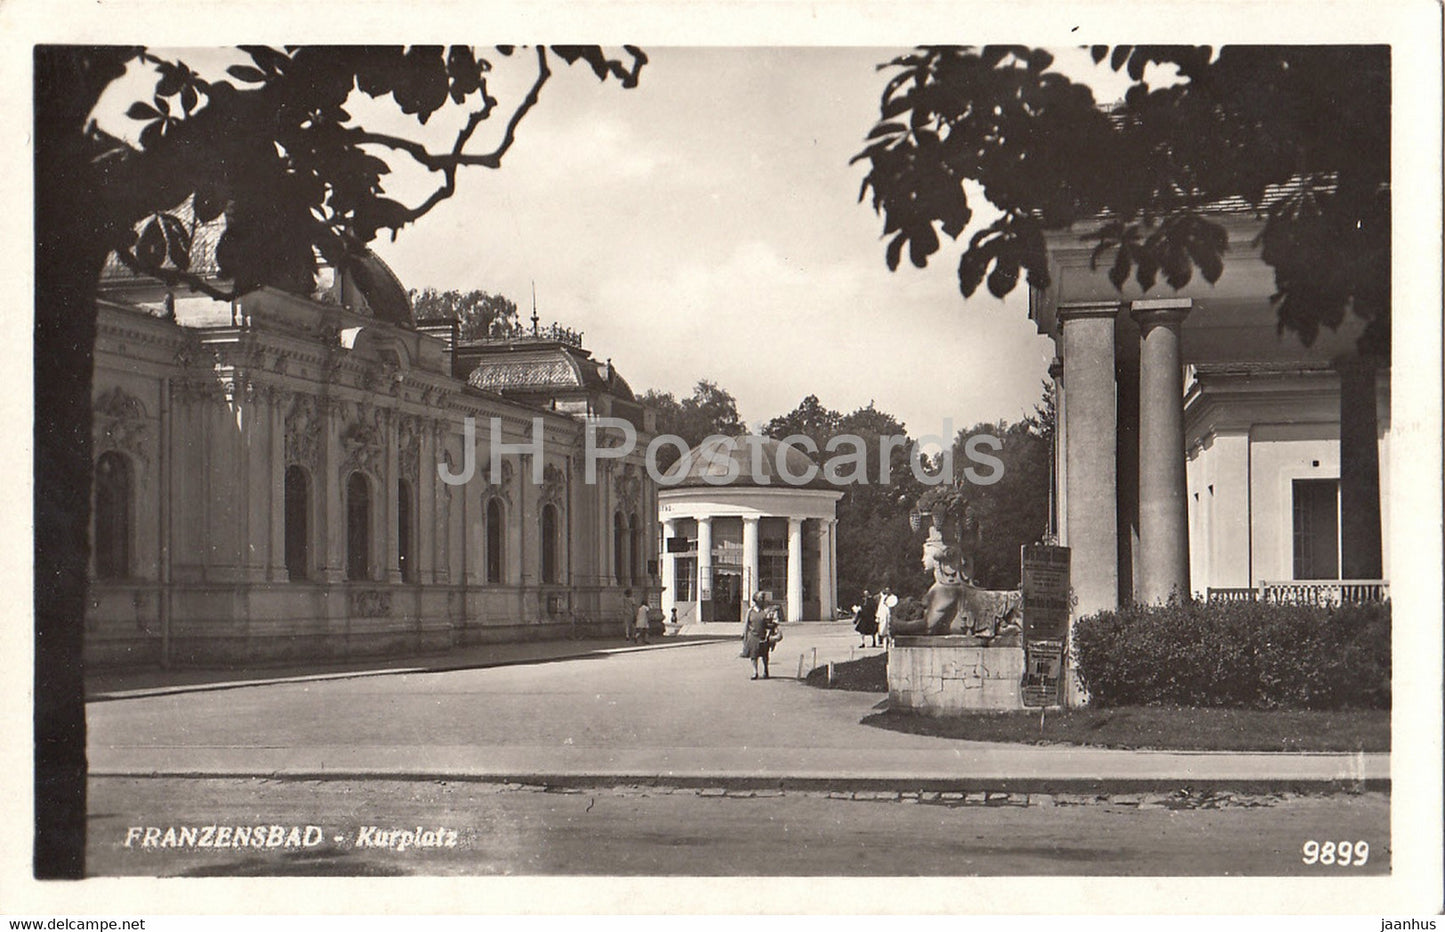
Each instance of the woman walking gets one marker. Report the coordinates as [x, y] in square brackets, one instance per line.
[757, 633]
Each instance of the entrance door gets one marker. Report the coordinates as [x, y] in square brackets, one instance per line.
[727, 596]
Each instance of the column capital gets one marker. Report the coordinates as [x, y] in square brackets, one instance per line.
[751, 519]
[1080, 310]
[1156, 311]
[794, 521]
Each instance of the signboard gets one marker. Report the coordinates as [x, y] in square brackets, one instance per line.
[1045, 592]
[1043, 674]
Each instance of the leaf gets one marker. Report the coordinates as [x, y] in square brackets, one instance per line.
[1178, 270]
[1119, 273]
[207, 204]
[1120, 56]
[895, 251]
[1148, 272]
[1137, 61]
[189, 98]
[1003, 278]
[971, 267]
[178, 241]
[270, 60]
[246, 73]
[140, 110]
[1098, 52]
[887, 129]
[924, 244]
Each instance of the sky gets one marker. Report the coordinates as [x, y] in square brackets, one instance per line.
[706, 225]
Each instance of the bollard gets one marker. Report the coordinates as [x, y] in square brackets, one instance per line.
[850, 655]
[830, 673]
[801, 658]
[815, 658]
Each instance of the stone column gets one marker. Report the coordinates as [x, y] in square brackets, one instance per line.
[1060, 475]
[1361, 553]
[668, 569]
[825, 593]
[276, 510]
[1091, 521]
[750, 557]
[795, 569]
[1126, 478]
[833, 566]
[390, 500]
[424, 497]
[330, 486]
[1163, 558]
[704, 565]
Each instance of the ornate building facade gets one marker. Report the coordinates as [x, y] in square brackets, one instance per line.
[271, 480]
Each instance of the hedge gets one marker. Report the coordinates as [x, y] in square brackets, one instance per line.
[1237, 654]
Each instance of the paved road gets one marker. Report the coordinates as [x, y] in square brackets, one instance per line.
[676, 713]
[698, 695]
[661, 831]
[690, 720]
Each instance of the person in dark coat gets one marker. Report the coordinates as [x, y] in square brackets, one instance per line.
[757, 631]
[866, 623]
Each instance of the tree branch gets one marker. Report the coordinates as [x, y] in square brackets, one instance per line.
[175, 277]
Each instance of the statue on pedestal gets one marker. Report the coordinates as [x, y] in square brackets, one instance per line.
[953, 605]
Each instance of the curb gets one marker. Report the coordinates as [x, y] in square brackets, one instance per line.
[804, 783]
[148, 691]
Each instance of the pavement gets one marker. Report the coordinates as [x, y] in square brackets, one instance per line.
[681, 711]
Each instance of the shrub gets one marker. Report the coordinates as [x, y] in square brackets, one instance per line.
[1237, 654]
[908, 609]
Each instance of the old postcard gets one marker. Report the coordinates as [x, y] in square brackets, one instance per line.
[857, 458]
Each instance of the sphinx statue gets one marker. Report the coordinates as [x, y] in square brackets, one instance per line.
[953, 605]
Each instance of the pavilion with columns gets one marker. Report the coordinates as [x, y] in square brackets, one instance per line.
[1200, 450]
[733, 525]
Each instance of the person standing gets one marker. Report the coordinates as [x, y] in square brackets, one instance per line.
[866, 622]
[641, 619]
[757, 633]
[884, 616]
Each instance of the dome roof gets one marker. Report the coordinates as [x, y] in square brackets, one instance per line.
[751, 459]
[546, 366]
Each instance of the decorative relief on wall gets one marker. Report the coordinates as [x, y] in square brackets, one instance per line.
[499, 486]
[408, 446]
[369, 603]
[627, 484]
[444, 489]
[303, 433]
[554, 485]
[361, 442]
[120, 424]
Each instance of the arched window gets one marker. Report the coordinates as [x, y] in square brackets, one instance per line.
[358, 527]
[298, 525]
[113, 495]
[494, 541]
[634, 548]
[405, 535]
[549, 543]
[619, 549]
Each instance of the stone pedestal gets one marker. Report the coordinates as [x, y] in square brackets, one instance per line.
[953, 675]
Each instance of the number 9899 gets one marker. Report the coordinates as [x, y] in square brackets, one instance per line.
[1338, 853]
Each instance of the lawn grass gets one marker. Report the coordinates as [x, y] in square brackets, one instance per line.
[1161, 728]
